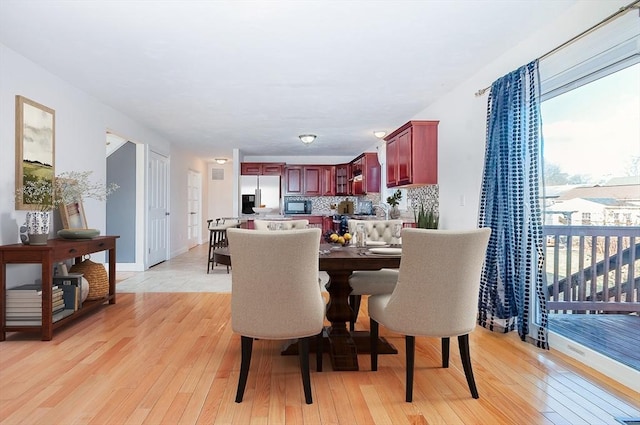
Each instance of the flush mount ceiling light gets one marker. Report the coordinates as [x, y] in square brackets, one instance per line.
[379, 134]
[307, 138]
[221, 160]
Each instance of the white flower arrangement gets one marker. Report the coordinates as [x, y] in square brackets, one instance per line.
[66, 188]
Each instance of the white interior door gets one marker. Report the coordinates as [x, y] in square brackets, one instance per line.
[194, 208]
[158, 201]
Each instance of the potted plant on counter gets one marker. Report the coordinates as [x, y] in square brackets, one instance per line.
[393, 201]
[426, 218]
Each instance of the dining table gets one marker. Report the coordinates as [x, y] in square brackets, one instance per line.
[339, 262]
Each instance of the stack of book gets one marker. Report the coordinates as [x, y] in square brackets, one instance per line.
[71, 285]
[24, 305]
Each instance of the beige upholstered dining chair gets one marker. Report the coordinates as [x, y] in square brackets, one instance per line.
[375, 281]
[275, 293]
[282, 224]
[436, 295]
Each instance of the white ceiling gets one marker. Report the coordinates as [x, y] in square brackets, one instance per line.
[217, 75]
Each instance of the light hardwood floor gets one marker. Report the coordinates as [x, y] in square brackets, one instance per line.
[171, 358]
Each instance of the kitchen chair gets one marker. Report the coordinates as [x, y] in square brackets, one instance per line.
[285, 224]
[436, 295]
[218, 236]
[275, 294]
[375, 281]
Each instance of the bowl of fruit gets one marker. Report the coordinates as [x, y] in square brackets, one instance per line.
[336, 238]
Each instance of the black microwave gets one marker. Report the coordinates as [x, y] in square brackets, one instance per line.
[297, 206]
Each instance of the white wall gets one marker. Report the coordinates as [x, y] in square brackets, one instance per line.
[221, 199]
[461, 132]
[81, 124]
[180, 165]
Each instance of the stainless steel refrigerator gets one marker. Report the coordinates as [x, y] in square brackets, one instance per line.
[266, 190]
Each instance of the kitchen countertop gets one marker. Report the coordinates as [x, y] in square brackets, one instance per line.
[282, 217]
[315, 214]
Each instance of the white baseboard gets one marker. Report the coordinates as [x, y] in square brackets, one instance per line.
[179, 252]
[617, 371]
[129, 267]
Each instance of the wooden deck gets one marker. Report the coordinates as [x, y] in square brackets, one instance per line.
[616, 336]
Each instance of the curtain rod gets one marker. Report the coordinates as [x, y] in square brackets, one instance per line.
[619, 12]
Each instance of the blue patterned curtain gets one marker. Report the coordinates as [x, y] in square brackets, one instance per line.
[512, 292]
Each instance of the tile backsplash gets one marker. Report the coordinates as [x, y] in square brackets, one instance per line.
[425, 195]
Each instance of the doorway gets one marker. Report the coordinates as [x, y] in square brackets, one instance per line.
[144, 179]
[158, 202]
[194, 208]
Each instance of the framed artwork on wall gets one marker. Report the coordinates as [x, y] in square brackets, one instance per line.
[35, 146]
[72, 216]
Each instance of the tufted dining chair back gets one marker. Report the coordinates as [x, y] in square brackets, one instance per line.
[275, 292]
[372, 282]
[376, 230]
[284, 224]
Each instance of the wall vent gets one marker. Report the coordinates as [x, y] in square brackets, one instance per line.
[217, 174]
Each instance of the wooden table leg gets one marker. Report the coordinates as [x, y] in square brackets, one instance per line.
[342, 348]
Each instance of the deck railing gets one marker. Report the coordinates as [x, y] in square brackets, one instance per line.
[593, 269]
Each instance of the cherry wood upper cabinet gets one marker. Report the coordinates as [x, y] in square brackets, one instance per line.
[365, 170]
[392, 162]
[371, 171]
[261, 168]
[343, 174]
[310, 180]
[313, 180]
[328, 180]
[293, 180]
[412, 154]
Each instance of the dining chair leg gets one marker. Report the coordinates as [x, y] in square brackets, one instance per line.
[373, 342]
[463, 344]
[445, 351]
[319, 350]
[354, 303]
[410, 347]
[247, 345]
[209, 257]
[303, 354]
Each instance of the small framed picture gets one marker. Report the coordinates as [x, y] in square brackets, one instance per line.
[72, 216]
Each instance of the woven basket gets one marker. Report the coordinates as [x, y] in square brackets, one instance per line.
[97, 277]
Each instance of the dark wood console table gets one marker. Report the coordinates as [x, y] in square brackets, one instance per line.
[55, 251]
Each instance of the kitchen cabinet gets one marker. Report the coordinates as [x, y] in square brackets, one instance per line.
[328, 180]
[342, 176]
[261, 168]
[327, 224]
[365, 170]
[412, 154]
[312, 180]
[309, 180]
[293, 180]
[314, 220]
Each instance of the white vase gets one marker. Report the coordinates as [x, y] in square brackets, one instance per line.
[38, 227]
[394, 212]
